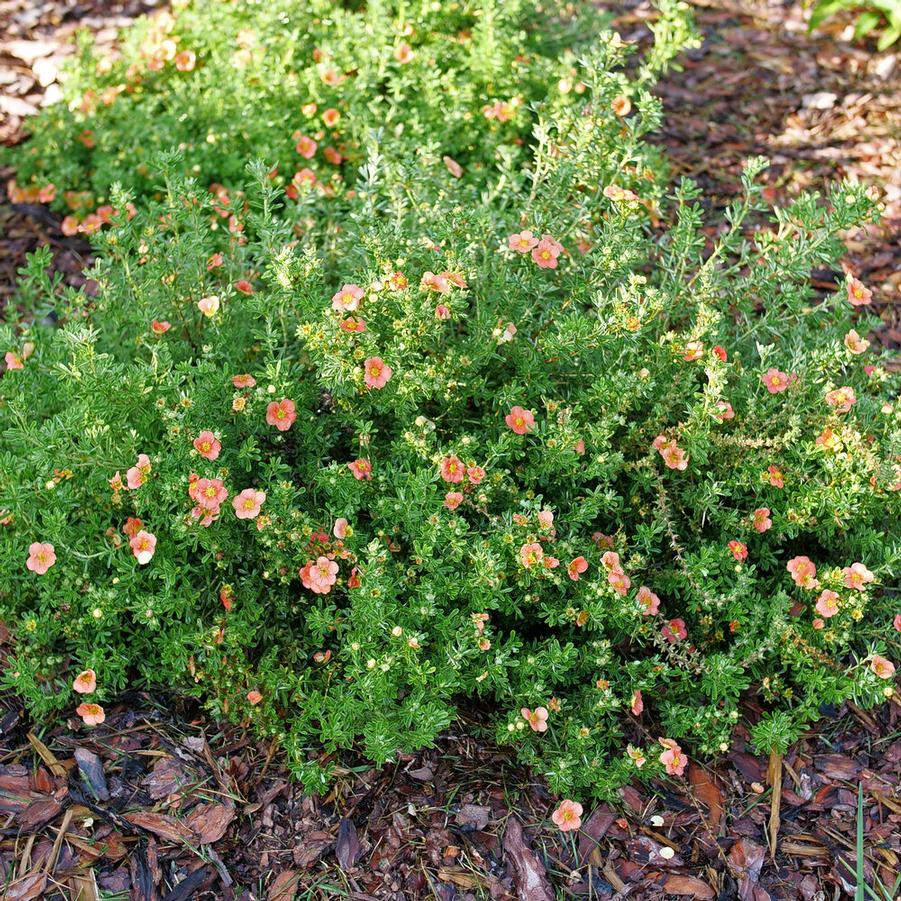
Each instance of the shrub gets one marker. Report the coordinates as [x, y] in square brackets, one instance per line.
[529, 450]
[310, 86]
[871, 15]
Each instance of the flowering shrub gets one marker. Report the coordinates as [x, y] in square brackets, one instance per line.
[310, 87]
[496, 440]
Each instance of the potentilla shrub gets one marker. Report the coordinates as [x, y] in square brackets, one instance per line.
[309, 86]
[504, 445]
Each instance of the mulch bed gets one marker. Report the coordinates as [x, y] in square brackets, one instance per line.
[160, 802]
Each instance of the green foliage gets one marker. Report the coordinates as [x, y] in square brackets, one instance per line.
[562, 511]
[315, 87]
[871, 14]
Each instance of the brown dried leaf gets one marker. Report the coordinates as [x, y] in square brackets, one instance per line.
[474, 815]
[677, 884]
[707, 791]
[284, 886]
[168, 777]
[348, 847]
[38, 814]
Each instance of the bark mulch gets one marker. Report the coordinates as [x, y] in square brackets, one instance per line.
[161, 802]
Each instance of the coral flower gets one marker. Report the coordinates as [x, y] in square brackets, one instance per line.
[896, 622]
[530, 554]
[672, 757]
[883, 668]
[254, 697]
[243, 380]
[185, 61]
[776, 382]
[347, 299]
[827, 603]
[137, 474]
[281, 414]
[675, 630]
[774, 476]
[452, 469]
[761, 519]
[650, 603]
[91, 714]
[453, 499]
[247, 504]
[207, 445]
[331, 117]
[340, 528]
[160, 327]
[209, 306]
[841, 399]
[520, 420]
[546, 252]
[637, 704]
[353, 325]
[619, 581]
[724, 410]
[739, 550]
[41, 556]
[362, 469]
[855, 343]
[858, 294]
[673, 456]
[209, 493]
[475, 474]
[537, 718]
[403, 53]
[306, 147]
[244, 286]
[803, 572]
[522, 242]
[856, 576]
[694, 350]
[85, 682]
[442, 312]
[568, 816]
[576, 568]
[322, 575]
[143, 546]
[376, 372]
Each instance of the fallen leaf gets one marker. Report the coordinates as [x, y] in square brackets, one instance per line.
[677, 884]
[529, 875]
[474, 816]
[168, 777]
[38, 814]
[92, 775]
[707, 791]
[284, 886]
[348, 847]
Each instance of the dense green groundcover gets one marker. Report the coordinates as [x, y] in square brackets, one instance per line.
[442, 435]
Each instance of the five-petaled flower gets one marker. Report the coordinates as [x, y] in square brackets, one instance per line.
[859, 294]
[883, 667]
[376, 372]
[207, 445]
[546, 252]
[143, 546]
[530, 554]
[41, 556]
[537, 718]
[568, 816]
[576, 567]
[776, 382]
[85, 683]
[672, 757]
[248, 502]
[827, 603]
[91, 714]
[347, 298]
[361, 468]
[520, 420]
[857, 576]
[452, 469]
[282, 414]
